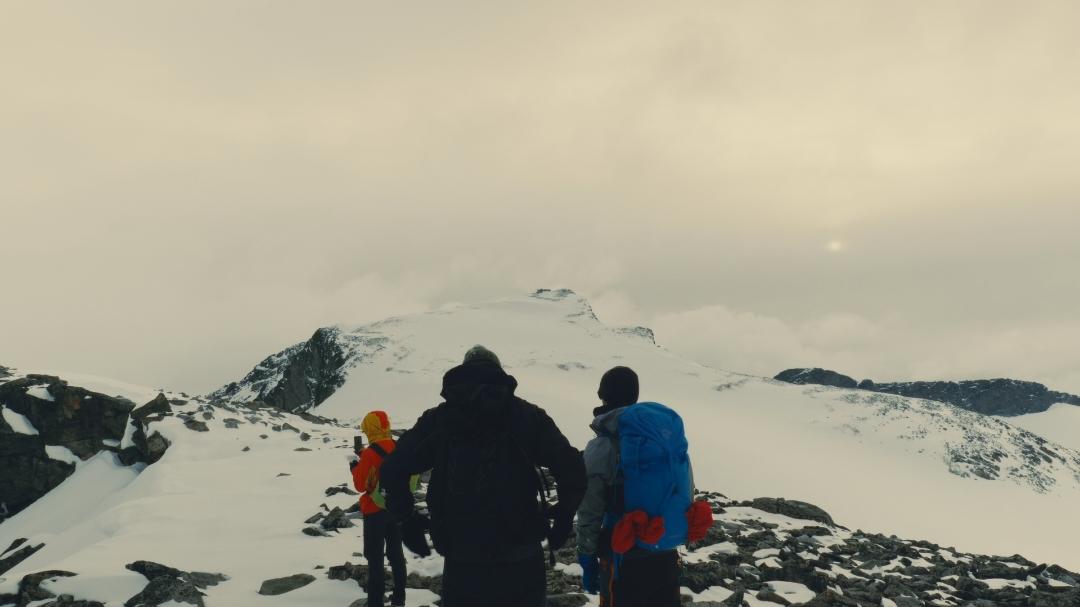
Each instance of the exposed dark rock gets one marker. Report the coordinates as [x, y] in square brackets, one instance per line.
[989, 396]
[340, 489]
[148, 448]
[5, 372]
[169, 584]
[153, 410]
[282, 585]
[16, 554]
[30, 589]
[335, 519]
[792, 508]
[196, 425]
[817, 376]
[15, 544]
[75, 418]
[567, 600]
[1007, 397]
[82, 421]
[314, 531]
[298, 378]
[66, 600]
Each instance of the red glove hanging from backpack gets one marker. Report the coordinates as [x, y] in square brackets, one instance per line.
[700, 518]
[634, 526]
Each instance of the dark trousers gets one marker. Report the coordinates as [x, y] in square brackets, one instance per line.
[382, 536]
[642, 580]
[520, 583]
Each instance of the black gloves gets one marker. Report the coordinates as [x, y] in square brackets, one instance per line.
[562, 525]
[412, 534]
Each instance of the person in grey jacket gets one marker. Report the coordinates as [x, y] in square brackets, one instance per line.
[645, 579]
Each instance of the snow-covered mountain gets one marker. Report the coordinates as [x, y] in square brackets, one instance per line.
[919, 468]
[242, 477]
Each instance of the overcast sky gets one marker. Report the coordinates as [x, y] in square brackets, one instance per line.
[886, 188]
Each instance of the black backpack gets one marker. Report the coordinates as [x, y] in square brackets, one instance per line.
[486, 498]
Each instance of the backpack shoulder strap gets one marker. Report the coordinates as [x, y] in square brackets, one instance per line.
[378, 450]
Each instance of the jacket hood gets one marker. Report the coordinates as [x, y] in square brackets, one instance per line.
[469, 381]
[376, 426]
[607, 423]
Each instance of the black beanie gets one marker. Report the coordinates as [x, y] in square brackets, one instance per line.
[619, 387]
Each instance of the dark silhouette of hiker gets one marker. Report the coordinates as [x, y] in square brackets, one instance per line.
[486, 496]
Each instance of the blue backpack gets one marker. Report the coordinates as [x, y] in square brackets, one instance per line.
[655, 468]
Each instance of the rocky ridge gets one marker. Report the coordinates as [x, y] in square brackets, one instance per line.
[48, 427]
[1005, 397]
[304, 375]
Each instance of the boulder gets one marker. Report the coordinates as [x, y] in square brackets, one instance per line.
[792, 508]
[817, 376]
[171, 585]
[30, 590]
[282, 585]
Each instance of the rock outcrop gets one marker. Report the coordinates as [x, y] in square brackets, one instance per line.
[49, 425]
[295, 379]
[55, 420]
[1006, 397]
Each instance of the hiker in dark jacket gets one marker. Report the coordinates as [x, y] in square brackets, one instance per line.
[638, 578]
[486, 496]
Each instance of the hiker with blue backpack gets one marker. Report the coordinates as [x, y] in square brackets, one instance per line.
[638, 506]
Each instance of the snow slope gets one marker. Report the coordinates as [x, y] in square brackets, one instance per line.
[1061, 424]
[916, 468]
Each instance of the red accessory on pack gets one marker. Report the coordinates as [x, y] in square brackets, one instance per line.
[700, 519]
[634, 526]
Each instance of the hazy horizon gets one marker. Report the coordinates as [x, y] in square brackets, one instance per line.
[886, 190]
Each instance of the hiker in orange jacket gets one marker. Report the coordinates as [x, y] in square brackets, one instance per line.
[382, 536]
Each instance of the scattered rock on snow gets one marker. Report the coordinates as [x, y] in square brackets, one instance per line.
[315, 531]
[16, 554]
[171, 585]
[282, 585]
[340, 489]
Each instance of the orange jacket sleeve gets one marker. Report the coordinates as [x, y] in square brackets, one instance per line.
[364, 477]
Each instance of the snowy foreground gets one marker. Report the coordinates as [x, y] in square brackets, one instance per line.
[233, 492]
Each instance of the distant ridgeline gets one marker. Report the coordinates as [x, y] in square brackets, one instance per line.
[1006, 397]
